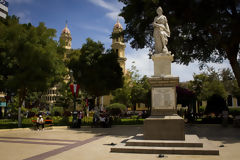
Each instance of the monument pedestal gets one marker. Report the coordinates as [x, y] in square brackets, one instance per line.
[164, 128]
[164, 123]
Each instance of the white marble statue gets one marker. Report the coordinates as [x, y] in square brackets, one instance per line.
[161, 32]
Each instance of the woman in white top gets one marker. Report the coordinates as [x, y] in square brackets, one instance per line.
[40, 122]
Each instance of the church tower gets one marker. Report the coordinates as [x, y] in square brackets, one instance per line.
[119, 46]
[66, 38]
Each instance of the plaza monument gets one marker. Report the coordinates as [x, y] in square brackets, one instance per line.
[163, 131]
[163, 123]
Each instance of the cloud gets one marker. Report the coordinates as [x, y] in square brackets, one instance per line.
[18, 1]
[141, 60]
[113, 8]
[145, 65]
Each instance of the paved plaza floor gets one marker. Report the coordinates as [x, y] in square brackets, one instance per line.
[62, 143]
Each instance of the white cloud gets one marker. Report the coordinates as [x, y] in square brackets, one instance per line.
[19, 1]
[145, 65]
[113, 8]
[141, 60]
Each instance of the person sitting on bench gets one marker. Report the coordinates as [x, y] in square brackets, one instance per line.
[40, 121]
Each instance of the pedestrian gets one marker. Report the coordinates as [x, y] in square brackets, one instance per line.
[80, 116]
[102, 119]
[40, 122]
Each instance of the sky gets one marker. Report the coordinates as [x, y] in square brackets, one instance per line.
[94, 19]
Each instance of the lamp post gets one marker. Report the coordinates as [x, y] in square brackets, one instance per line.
[74, 88]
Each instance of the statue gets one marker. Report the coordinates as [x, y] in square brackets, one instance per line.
[161, 32]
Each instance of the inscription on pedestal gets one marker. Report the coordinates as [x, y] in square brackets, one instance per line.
[163, 98]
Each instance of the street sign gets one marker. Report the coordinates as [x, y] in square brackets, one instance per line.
[3, 104]
[75, 89]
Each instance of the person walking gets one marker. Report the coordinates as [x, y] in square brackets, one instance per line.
[80, 116]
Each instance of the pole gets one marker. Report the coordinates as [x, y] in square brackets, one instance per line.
[74, 101]
[74, 121]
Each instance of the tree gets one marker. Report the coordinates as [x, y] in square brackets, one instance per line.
[229, 82]
[28, 58]
[206, 84]
[203, 30]
[98, 72]
[141, 92]
[65, 98]
[123, 95]
[216, 104]
[185, 96]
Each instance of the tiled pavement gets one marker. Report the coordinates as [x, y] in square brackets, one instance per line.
[61, 143]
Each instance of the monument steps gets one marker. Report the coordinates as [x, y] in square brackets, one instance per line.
[190, 141]
[190, 146]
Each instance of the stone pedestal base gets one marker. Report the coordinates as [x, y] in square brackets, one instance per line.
[164, 128]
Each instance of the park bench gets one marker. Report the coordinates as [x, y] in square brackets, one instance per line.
[47, 122]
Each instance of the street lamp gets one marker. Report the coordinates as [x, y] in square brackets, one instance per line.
[75, 89]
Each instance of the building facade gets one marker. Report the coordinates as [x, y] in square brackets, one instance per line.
[3, 9]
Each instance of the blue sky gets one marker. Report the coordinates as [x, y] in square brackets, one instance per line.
[94, 19]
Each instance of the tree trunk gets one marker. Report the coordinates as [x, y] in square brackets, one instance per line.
[19, 118]
[98, 102]
[19, 111]
[235, 67]
[21, 99]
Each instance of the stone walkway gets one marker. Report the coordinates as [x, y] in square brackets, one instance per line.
[61, 143]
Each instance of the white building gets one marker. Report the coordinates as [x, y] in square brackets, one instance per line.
[3, 9]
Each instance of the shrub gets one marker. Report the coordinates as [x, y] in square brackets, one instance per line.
[116, 109]
[67, 113]
[216, 104]
[234, 111]
[57, 111]
[201, 109]
[35, 110]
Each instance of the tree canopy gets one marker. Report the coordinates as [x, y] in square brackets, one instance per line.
[98, 72]
[28, 58]
[210, 82]
[203, 30]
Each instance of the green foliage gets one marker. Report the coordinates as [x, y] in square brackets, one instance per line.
[116, 109]
[216, 104]
[201, 109]
[98, 72]
[35, 110]
[207, 84]
[141, 92]
[57, 111]
[136, 89]
[29, 61]
[65, 98]
[234, 111]
[207, 31]
[122, 95]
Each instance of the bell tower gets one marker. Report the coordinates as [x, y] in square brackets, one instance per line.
[119, 46]
[66, 38]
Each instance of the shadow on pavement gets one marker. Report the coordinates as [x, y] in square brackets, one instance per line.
[215, 132]
[119, 131]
